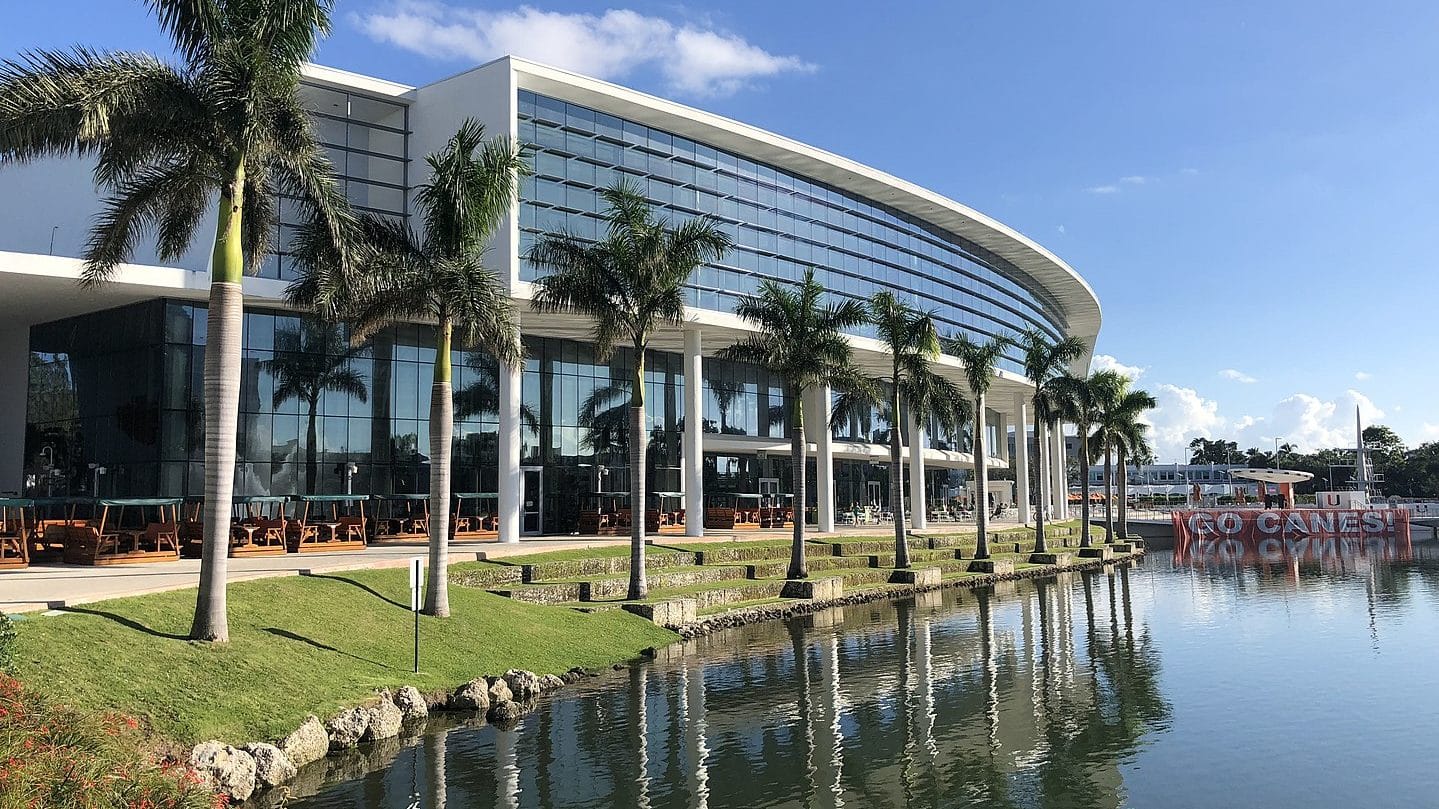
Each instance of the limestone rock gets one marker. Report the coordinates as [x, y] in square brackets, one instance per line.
[224, 769]
[348, 728]
[505, 714]
[500, 691]
[272, 766]
[385, 719]
[411, 703]
[550, 682]
[524, 685]
[472, 696]
[310, 742]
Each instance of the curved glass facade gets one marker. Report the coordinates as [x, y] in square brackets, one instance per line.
[781, 223]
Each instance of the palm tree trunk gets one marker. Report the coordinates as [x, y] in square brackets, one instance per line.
[1123, 496]
[1040, 485]
[639, 586]
[442, 429]
[896, 482]
[797, 567]
[311, 450]
[981, 482]
[1108, 494]
[226, 320]
[1084, 538]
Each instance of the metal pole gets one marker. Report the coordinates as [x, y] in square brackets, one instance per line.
[417, 640]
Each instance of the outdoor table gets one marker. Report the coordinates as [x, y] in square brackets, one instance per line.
[402, 516]
[604, 516]
[662, 520]
[16, 517]
[480, 525]
[105, 537]
[258, 526]
[741, 513]
[323, 510]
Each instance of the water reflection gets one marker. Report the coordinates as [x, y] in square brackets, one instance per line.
[993, 697]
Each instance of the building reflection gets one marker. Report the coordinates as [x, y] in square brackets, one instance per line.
[1029, 694]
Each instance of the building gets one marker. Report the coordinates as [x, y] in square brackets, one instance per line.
[114, 374]
[1178, 479]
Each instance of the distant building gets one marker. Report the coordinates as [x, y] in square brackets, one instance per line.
[1178, 478]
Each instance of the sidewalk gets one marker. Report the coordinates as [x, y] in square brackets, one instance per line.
[52, 586]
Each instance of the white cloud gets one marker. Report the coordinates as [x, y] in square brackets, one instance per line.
[1181, 415]
[1104, 362]
[1103, 189]
[1237, 376]
[1189, 172]
[1134, 179]
[694, 59]
[1061, 230]
[1429, 431]
[1362, 375]
[1312, 423]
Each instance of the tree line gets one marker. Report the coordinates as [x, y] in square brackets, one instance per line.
[1406, 472]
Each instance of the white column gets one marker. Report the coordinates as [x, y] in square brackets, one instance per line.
[1059, 486]
[1021, 457]
[15, 359]
[511, 379]
[694, 435]
[1000, 449]
[917, 517]
[1043, 480]
[816, 429]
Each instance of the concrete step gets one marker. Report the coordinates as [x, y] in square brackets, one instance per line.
[601, 565]
[732, 553]
[615, 589]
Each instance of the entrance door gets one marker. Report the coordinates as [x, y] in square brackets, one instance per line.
[532, 493]
[769, 492]
[873, 492]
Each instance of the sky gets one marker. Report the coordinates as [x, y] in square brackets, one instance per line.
[1248, 187]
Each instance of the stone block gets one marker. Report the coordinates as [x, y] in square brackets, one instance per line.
[824, 587]
[1122, 547]
[673, 613]
[918, 576]
[1103, 552]
[998, 567]
[1062, 559]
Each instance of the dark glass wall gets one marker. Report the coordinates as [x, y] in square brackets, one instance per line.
[781, 223]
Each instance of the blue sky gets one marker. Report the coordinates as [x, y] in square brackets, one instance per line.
[1249, 187]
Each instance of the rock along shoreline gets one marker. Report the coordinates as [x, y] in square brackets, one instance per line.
[260, 770]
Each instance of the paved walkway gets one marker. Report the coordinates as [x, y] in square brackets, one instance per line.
[51, 586]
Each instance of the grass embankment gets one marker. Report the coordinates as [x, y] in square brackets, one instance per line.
[300, 645]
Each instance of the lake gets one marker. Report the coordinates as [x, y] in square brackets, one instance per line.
[1301, 683]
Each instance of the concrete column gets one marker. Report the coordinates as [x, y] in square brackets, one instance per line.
[816, 429]
[918, 520]
[1000, 449]
[694, 435]
[15, 358]
[511, 379]
[1043, 499]
[1059, 486]
[1021, 457]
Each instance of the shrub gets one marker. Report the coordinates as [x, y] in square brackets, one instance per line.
[7, 645]
[53, 756]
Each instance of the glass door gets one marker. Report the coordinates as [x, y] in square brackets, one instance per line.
[532, 494]
[769, 492]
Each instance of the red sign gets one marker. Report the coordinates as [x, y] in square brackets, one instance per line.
[1245, 529]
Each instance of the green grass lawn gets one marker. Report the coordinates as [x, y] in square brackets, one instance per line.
[300, 645]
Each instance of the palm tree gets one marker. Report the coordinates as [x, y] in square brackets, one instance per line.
[631, 283]
[1078, 400]
[439, 276]
[1121, 434]
[910, 338]
[309, 361]
[980, 361]
[167, 139]
[1043, 361]
[801, 339]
